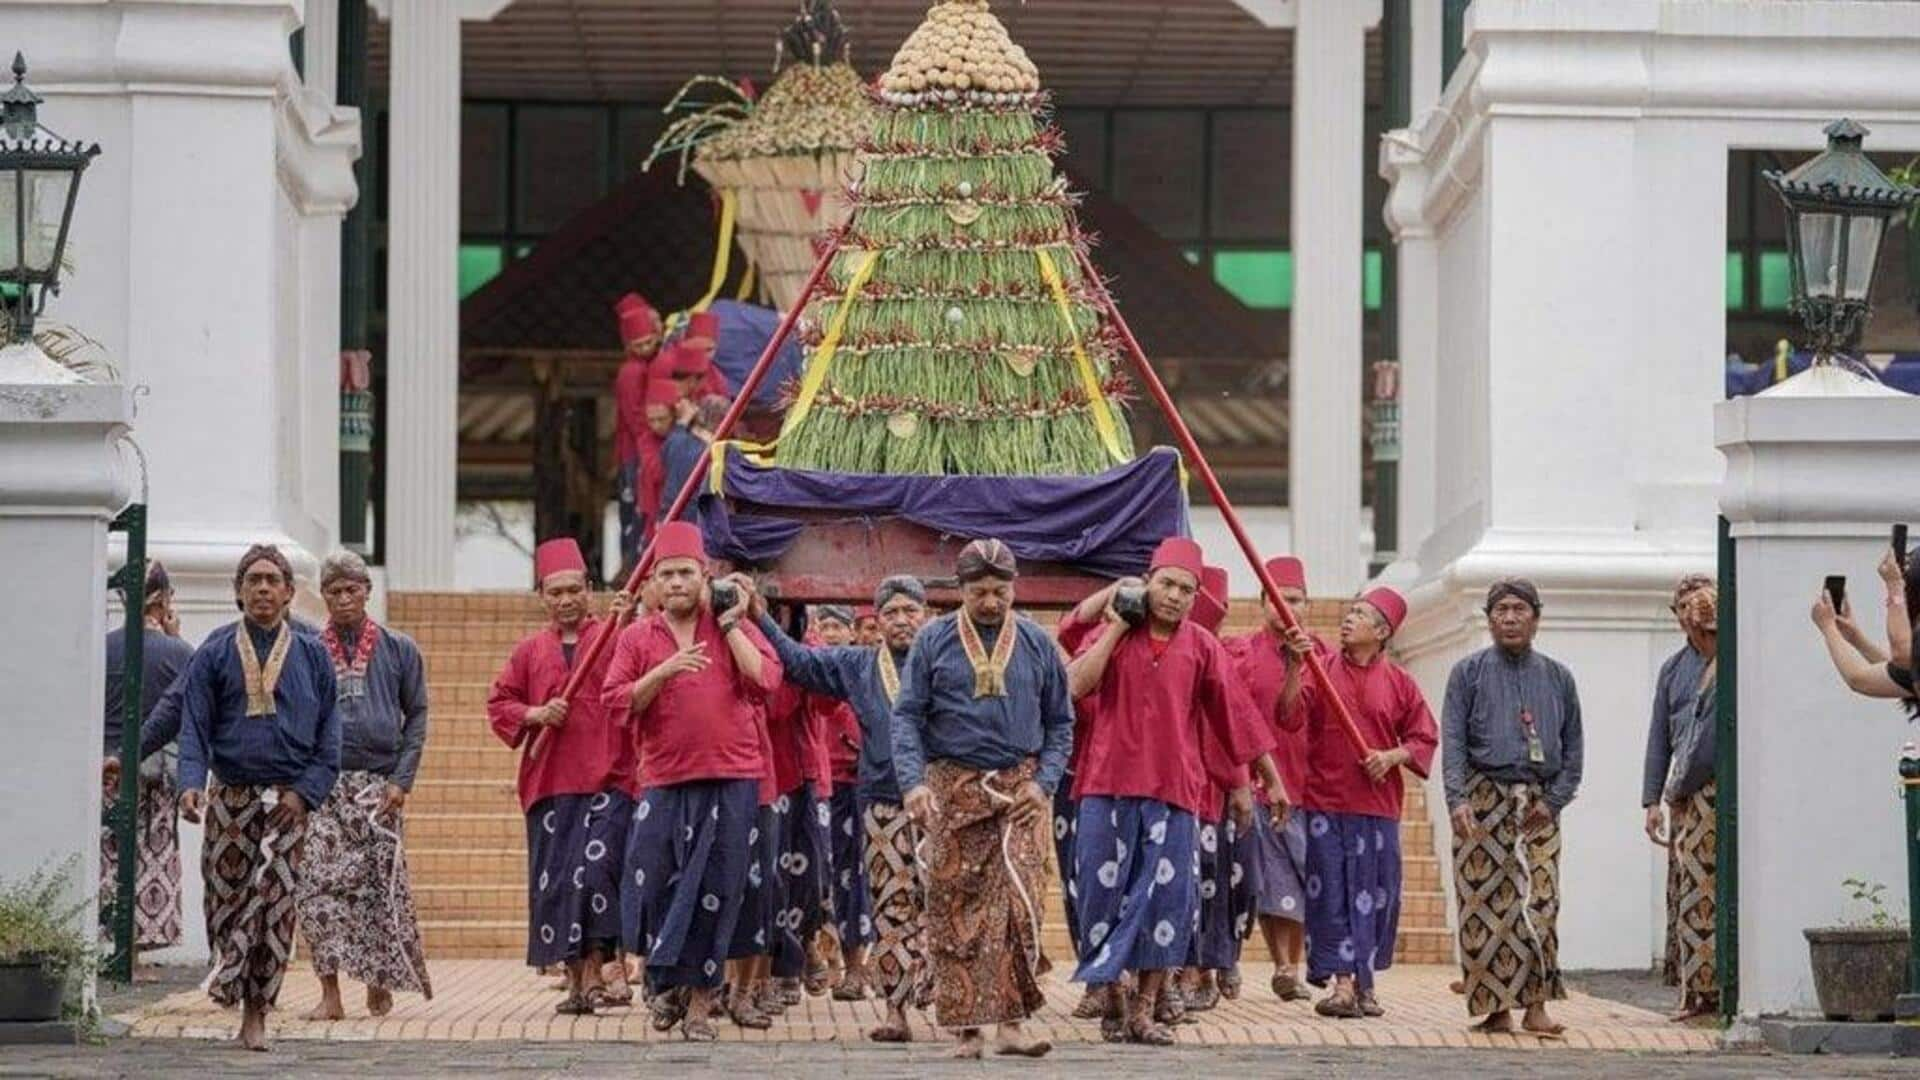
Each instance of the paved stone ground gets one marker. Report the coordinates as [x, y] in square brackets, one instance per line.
[501, 1000]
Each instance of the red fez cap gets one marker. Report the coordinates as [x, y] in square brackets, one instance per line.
[864, 611]
[702, 326]
[662, 392]
[685, 361]
[637, 318]
[678, 540]
[1390, 604]
[1210, 603]
[557, 556]
[1288, 572]
[1179, 553]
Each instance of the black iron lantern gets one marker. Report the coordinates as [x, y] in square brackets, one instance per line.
[39, 178]
[1839, 207]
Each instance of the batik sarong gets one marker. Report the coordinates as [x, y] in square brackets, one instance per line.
[1066, 826]
[800, 892]
[1694, 855]
[1508, 884]
[983, 897]
[355, 900]
[689, 847]
[897, 876]
[1226, 895]
[1278, 858]
[574, 846]
[1670, 956]
[1353, 895]
[847, 834]
[251, 872]
[753, 931]
[156, 884]
[1137, 869]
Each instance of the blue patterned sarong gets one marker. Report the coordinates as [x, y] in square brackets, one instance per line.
[1226, 894]
[852, 907]
[1136, 867]
[574, 847]
[799, 895]
[687, 858]
[1353, 895]
[1066, 825]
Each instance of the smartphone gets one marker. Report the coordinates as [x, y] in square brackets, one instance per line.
[1837, 590]
[1900, 543]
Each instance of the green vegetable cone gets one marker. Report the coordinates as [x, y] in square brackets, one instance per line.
[971, 345]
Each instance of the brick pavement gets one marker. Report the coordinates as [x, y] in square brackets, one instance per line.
[485, 1000]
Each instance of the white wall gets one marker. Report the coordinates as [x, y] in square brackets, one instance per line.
[1573, 182]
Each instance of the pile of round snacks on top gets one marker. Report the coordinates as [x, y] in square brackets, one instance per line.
[808, 109]
[961, 52]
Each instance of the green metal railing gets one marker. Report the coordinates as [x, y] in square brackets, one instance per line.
[1726, 767]
[131, 580]
[1908, 1007]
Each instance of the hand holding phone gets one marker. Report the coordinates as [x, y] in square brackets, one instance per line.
[1900, 543]
[1837, 592]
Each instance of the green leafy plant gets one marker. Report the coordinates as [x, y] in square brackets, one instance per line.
[40, 920]
[1871, 894]
[1908, 175]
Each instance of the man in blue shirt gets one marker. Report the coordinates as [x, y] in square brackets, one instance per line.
[982, 728]
[258, 713]
[868, 678]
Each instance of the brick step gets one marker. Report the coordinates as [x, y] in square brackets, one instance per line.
[464, 939]
[505, 828]
[471, 635]
[463, 698]
[464, 729]
[468, 758]
[464, 796]
[485, 903]
[466, 865]
[464, 665]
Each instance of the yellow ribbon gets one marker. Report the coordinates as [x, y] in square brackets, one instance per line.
[716, 469]
[1090, 381]
[747, 281]
[816, 375]
[723, 251]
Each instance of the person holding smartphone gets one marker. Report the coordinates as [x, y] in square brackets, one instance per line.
[1867, 668]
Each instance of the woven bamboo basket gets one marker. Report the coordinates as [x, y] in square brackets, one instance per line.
[784, 204]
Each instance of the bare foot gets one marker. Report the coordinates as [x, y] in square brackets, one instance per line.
[1013, 1042]
[1500, 1023]
[329, 1008]
[379, 1000]
[253, 1029]
[1537, 1022]
[971, 1045]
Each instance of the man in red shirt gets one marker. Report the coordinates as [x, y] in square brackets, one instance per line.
[1269, 666]
[1352, 804]
[1159, 691]
[640, 337]
[688, 682]
[694, 368]
[576, 785]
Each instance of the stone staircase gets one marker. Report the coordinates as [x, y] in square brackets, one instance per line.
[466, 843]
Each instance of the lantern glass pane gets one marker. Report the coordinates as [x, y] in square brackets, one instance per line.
[46, 191]
[1819, 253]
[1863, 244]
[9, 222]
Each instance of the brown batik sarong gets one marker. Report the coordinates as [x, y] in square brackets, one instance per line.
[156, 886]
[250, 896]
[984, 878]
[1509, 891]
[1670, 960]
[355, 902]
[1693, 857]
[897, 879]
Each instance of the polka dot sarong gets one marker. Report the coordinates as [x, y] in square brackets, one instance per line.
[1136, 873]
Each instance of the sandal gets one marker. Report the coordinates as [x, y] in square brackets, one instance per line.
[1332, 1006]
[668, 1008]
[1369, 1005]
[1172, 1008]
[1202, 998]
[600, 997]
[852, 988]
[575, 1005]
[744, 1014]
[1093, 1004]
[698, 1029]
[789, 990]
[1113, 1021]
[887, 1033]
[1286, 987]
[1229, 983]
[1149, 1033]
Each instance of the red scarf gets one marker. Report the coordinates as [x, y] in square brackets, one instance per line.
[362, 650]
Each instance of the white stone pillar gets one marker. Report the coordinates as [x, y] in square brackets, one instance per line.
[1424, 79]
[320, 39]
[60, 485]
[1812, 484]
[1325, 363]
[423, 302]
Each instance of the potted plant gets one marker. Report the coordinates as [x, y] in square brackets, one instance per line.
[40, 945]
[1860, 967]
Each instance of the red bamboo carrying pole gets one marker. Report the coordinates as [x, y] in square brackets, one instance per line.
[1191, 449]
[591, 654]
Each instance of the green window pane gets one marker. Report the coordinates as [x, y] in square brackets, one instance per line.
[1372, 273]
[479, 263]
[1260, 279]
[1736, 281]
[1776, 281]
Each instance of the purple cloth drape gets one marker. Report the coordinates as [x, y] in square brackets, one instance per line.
[1107, 524]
